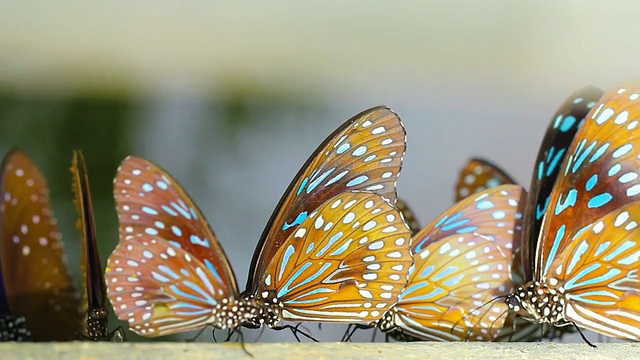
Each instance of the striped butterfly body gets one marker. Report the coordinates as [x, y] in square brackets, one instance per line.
[96, 323]
[584, 270]
[37, 284]
[462, 263]
[335, 249]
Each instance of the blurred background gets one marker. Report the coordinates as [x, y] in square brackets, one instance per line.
[232, 98]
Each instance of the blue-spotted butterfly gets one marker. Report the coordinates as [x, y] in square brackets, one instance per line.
[584, 267]
[335, 249]
[462, 261]
[96, 314]
[37, 284]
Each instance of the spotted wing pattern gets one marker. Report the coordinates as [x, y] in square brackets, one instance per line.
[168, 274]
[462, 262]
[160, 289]
[149, 201]
[409, 216]
[346, 262]
[478, 175]
[555, 144]
[598, 176]
[598, 274]
[36, 277]
[364, 154]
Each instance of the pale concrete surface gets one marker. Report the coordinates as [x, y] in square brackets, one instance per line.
[424, 351]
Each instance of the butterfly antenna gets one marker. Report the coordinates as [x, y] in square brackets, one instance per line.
[474, 310]
[583, 337]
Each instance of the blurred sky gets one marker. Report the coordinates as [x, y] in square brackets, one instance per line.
[468, 78]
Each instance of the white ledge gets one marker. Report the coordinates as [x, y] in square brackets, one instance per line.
[282, 351]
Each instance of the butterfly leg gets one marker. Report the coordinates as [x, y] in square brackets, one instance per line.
[582, 335]
[198, 335]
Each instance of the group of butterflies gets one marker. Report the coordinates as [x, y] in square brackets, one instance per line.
[341, 248]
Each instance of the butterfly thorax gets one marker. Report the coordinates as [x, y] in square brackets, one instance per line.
[97, 324]
[230, 313]
[13, 328]
[539, 302]
[269, 310]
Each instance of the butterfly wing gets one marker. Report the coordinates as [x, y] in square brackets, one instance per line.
[36, 277]
[149, 201]
[555, 145]
[478, 175]
[93, 278]
[364, 154]
[409, 216]
[598, 271]
[462, 262]
[160, 289]
[598, 176]
[346, 262]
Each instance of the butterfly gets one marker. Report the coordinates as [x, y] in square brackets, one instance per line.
[36, 279]
[586, 259]
[478, 175]
[462, 261]
[96, 322]
[335, 249]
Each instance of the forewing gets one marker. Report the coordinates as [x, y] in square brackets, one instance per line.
[478, 175]
[149, 201]
[598, 270]
[347, 262]
[553, 149]
[34, 265]
[598, 176]
[457, 274]
[364, 154]
[93, 278]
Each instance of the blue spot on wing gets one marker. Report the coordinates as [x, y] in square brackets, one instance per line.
[213, 270]
[592, 182]
[599, 200]
[304, 183]
[569, 201]
[301, 217]
[554, 247]
[285, 289]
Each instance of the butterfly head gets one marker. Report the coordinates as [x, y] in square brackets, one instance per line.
[539, 301]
